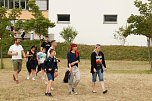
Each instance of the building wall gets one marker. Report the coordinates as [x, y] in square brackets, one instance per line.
[27, 15]
[87, 17]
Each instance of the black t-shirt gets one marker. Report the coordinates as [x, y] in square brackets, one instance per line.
[46, 45]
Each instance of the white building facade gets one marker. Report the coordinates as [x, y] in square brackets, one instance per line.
[95, 20]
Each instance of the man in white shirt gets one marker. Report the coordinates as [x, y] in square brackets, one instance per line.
[16, 51]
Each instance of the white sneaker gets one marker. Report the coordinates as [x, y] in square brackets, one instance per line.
[52, 88]
[33, 78]
[28, 77]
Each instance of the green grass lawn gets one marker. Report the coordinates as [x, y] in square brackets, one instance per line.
[125, 81]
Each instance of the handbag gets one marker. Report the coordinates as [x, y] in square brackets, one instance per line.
[66, 77]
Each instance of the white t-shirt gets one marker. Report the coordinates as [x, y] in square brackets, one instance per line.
[16, 48]
[41, 56]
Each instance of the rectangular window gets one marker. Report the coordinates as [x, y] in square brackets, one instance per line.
[42, 4]
[6, 3]
[17, 4]
[63, 18]
[110, 19]
[1, 3]
[47, 4]
[22, 4]
[26, 2]
[11, 4]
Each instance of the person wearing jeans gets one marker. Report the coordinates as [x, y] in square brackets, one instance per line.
[98, 66]
[73, 60]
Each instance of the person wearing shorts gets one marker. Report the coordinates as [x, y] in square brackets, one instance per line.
[31, 62]
[73, 60]
[41, 58]
[16, 51]
[50, 65]
[97, 63]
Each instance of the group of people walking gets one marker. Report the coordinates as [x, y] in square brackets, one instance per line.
[46, 62]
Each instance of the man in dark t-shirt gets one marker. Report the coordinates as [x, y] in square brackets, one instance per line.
[46, 44]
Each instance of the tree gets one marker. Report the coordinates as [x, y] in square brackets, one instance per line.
[121, 35]
[141, 24]
[39, 23]
[4, 33]
[14, 14]
[68, 34]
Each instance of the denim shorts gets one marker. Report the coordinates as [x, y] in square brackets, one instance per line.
[50, 76]
[100, 75]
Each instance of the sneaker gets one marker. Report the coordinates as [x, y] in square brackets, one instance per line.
[33, 79]
[49, 94]
[28, 77]
[104, 92]
[94, 91]
[52, 88]
[73, 90]
[46, 94]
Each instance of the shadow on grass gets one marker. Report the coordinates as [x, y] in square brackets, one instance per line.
[131, 71]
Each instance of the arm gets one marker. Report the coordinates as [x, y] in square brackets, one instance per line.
[93, 59]
[103, 60]
[28, 54]
[11, 53]
[23, 54]
[69, 58]
[38, 59]
[77, 61]
[42, 47]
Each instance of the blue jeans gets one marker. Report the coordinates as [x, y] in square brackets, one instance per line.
[100, 75]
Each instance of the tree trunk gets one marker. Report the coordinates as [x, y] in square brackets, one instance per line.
[149, 52]
[40, 41]
[1, 53]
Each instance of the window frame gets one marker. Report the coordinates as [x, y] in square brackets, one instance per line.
[63, 22]
[110, 22]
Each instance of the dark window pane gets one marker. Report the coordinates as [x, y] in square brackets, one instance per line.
[47, 4]
[63, 17]
[22, 4]
[6, 3]
[1, 3]
[10, 4]
[17, 4]
[27, 5]
[110, 18]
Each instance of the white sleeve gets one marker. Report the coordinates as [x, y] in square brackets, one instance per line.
[11, 48]
[21, 48]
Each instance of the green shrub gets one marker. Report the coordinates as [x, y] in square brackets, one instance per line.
[111, 52]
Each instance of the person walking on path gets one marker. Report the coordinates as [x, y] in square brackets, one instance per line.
[97, 63]
[73, 61]
[32, 62]
[16, 51]
[46, 44]
[50, 65]
[41, 58]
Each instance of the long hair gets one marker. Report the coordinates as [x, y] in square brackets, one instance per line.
[71, 48]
